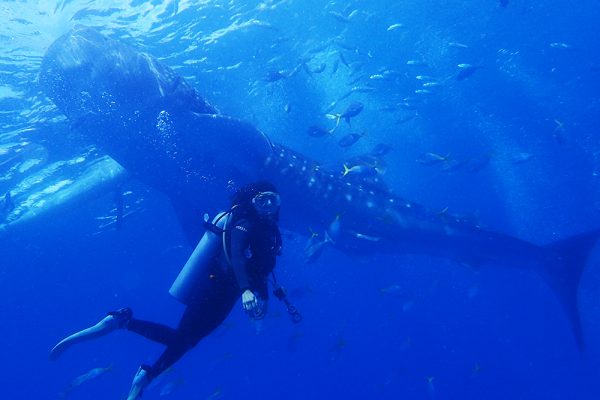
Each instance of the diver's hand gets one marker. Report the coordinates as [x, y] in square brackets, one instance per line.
[249, 301]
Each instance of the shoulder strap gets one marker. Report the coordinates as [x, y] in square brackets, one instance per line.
[224, 239]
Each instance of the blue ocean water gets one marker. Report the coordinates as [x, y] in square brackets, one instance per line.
[514, 147]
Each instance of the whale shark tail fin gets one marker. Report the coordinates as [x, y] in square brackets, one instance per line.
[565, 274]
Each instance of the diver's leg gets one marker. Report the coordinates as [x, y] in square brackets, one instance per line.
[179, 344]
[198, 321]
[194, 326]
[114, 320]
[151, 330]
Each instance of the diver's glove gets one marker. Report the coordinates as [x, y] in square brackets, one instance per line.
[249, 301]
[254, 306]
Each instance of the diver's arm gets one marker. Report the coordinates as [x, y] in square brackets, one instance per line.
[239, 245]
[240, 241]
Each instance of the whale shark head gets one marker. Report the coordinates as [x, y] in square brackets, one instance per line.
[145, 116]
[85, 72]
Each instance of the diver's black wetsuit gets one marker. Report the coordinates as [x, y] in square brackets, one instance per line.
[253, 248]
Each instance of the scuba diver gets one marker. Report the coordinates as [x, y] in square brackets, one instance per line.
[234, 257]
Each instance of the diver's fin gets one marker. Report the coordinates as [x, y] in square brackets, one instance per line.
[140, 381]
[114, 320]
[564, 275]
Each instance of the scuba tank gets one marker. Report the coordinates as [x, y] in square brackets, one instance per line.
[206, 252]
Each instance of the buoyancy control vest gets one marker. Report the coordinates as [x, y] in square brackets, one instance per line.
[209, 249]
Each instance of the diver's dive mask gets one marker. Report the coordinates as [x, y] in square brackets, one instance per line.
[266, 203]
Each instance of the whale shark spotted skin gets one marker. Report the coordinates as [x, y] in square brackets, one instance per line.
[154, 124]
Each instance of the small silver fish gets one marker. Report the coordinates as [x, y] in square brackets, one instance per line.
[432, 158]
[368, 238]
[217, 394]
[351, 111]
[350, 139]
[466, 70]
[314, 247]
[560, 45]
[457, 45]
[394, 290]
[319, 69]
[362, 89]
[522, 158]
[353, 13]
[381, 150]
[339, 16]
[91, 374]
[317, 131]
[333, 230]
[416, 63]
[393, 27]
[360, 170]
[424, 78]
[408, 106]
[170, 387]
[405, 119]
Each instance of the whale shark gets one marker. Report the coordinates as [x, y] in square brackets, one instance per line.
[162, 132]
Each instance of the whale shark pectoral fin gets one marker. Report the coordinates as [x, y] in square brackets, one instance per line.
[190, 216]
